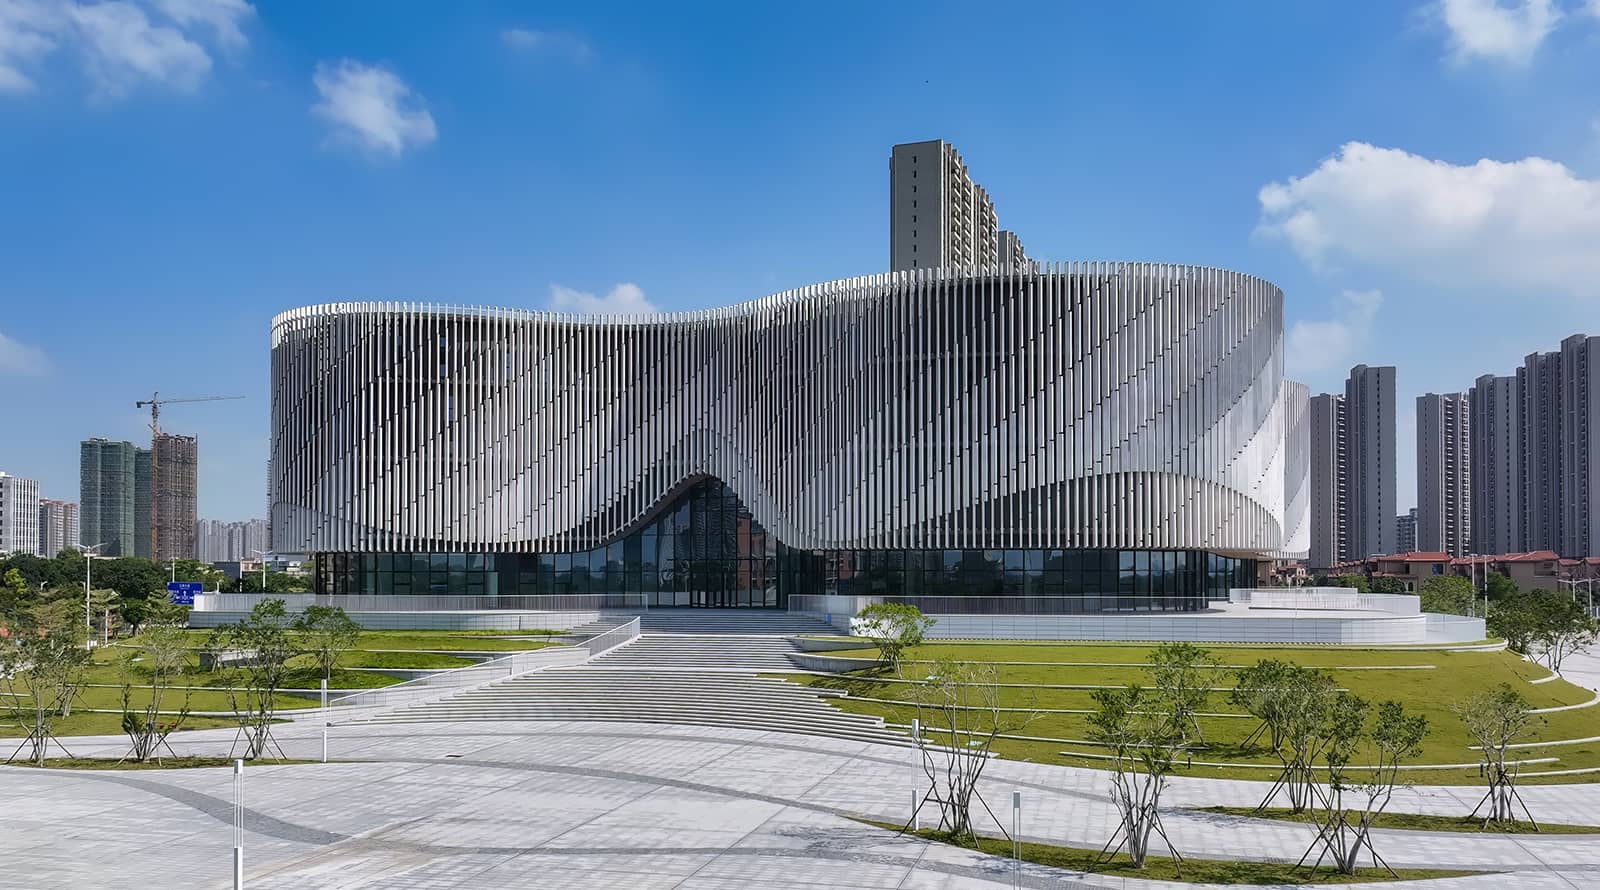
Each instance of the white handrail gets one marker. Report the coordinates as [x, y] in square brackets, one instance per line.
[611, 639]
[442, 683]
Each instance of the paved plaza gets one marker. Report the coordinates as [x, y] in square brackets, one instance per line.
[630, 805]
[582, 804]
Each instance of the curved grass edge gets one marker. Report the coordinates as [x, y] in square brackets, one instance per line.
[100, 764]
[1240, 872]
[1414, 822]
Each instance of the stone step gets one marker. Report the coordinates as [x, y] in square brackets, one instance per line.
[881, 737]
[672, 693]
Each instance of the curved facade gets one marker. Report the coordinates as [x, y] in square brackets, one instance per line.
[1103, 408]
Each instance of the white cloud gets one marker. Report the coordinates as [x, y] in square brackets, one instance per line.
[1523, 226]
[121, 46]
[1498, 31]
[1313, 346]
[531, 40]
[223, 17]
[17, 357]
[624, 299]
[27, 32]
[117, 43]
[370, 106]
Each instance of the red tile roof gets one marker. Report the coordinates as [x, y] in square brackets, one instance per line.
[1415, 556]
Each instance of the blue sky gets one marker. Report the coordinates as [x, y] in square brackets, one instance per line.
[1422, 179]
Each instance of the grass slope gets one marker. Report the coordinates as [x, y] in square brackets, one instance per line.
[1420, 822]
[1371, 673]
[1161, 868]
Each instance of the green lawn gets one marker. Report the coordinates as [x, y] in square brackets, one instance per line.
[413, 660]
[447, 641]
[190, 762]
[1417, 822]
[1453, 677]
[439, 640]
[395, 650]
[85, 723]
[1161, 868]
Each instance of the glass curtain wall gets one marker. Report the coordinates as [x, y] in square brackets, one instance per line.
[707, 550]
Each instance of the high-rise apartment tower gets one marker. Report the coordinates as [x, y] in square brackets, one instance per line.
[1495, 425]
[1405, 532]
[1370, 460]
[937, 215]
[19, 515]
[58, 526]
[174, 463]
[106, 497]
[1444, 474]
[1329, 540]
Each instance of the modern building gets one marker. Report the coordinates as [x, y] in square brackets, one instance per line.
[1370, 460]
[1539, 379]
[106, 497]
[1352, 469]
[58, 526]
[1494, 423]
[1538, 484]
[937, 215]
[1330, 540]
[230, 541]
[1011, 255]
[19, 515]
[144, 534]
[1579, 530]
[174, 469]
[1405, 532]
[1444, 474]
[1087, 438]
[1296, 471]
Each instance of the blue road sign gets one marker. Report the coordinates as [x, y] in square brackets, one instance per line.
[181, 593]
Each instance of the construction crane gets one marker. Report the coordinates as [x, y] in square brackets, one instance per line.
[156, 401]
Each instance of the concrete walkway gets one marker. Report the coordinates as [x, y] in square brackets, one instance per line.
[630, 805]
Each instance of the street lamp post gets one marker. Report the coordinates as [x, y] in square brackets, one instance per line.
[1588, 589]
[88, 560]
[263, 555]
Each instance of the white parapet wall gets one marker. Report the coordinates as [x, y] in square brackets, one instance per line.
[428, 612]
[1325, 598]
[1330, 615]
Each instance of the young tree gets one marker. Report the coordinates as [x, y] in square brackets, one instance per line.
[42, 663]
[1263, 691]
[1345, 826]
[1386, 584]
[150, 662]
[893, 628]
[1181, 675]
[261, 646]
[1564, 627]
[15, 595]
[1359, 582]
[1307, 699]
[1143, 743]
[1497, 586]
[1517, 618]
[326, 632]
[1495, 720]
[1447, 595]
[959, 702]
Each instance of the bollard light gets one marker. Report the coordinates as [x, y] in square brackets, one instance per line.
[238, 824]
[1016, 833]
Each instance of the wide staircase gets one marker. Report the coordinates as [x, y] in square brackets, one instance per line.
[690, 667]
